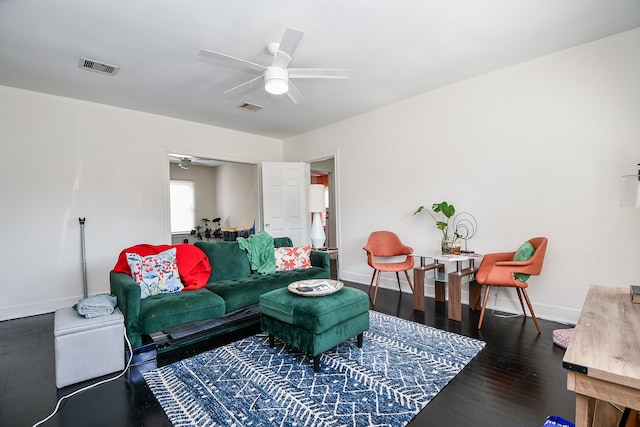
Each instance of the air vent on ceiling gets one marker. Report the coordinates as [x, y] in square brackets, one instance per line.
[250, 107]
[98, 67]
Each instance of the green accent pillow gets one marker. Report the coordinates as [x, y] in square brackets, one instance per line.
[524, 252]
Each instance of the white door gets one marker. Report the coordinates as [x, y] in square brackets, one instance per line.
[284, 200]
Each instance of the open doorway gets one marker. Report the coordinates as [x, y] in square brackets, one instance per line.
[323, 172]
[231, 191]
[222, 190]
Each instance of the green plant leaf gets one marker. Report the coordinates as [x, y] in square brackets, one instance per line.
[448, 210]
[441, 225]
[444, 208]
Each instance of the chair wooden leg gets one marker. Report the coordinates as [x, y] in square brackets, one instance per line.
[406, 273]
[398, 279]
[521, 303]
[375, 294]
[484, 306]
[371, 284]
[533, 315]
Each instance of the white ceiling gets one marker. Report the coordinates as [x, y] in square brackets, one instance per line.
[394, 49]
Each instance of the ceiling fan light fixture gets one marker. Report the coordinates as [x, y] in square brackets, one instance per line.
[185, 163]
[276, 80]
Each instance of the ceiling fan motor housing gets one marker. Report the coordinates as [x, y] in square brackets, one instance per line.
[276, 80]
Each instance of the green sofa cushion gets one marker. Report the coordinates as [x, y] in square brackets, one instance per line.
[314, 314]
[228, 260]
[244, 291]
[164, 311]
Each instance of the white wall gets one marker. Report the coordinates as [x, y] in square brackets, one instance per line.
[236, 188]
[61, 159]
[534, 149]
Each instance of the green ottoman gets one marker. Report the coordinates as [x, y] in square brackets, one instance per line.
[315, 324]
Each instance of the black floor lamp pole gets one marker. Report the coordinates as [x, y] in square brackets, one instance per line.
[84, 258]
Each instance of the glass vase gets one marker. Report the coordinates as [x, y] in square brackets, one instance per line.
[444, 245]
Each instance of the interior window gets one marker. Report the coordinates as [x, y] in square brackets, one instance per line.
[183, 206]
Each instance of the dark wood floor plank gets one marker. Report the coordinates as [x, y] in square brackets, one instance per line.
[517, 380]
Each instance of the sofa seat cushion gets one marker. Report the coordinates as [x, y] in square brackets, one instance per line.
[164, 311]
[314, 314]
[228, 260]
[245, 291]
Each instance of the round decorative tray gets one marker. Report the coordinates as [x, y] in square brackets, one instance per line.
[315, 288]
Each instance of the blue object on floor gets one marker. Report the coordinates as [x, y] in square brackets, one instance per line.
[554, 421]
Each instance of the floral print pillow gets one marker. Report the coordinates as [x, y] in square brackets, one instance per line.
[293, 258]
[156, 274]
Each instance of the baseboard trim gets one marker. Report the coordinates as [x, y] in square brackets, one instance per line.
[507, 300]
[34, 309]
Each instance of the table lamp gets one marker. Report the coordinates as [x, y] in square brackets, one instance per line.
[316, 206]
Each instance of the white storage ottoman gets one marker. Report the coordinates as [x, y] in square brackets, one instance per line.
[87, 348]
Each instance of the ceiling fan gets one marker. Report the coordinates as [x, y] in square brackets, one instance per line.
[277, 77]
[183, 161]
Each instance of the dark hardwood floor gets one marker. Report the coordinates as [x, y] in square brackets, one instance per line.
[516, 381]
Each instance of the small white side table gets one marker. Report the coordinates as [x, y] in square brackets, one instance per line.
[87, 348]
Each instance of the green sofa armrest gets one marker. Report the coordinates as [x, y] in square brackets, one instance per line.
[127, 291]
[320, 259]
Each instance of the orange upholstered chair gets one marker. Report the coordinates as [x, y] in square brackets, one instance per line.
[500, 269]
[386, 244]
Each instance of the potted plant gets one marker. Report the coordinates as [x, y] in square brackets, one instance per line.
[446, 211]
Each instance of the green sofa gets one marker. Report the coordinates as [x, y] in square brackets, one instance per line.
[231, 286]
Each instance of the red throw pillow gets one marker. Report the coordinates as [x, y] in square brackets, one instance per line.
[193, 264]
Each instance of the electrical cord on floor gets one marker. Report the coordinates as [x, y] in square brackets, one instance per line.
[126, 368]
[501, 315]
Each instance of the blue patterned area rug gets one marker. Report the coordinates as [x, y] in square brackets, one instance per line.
[400, 368]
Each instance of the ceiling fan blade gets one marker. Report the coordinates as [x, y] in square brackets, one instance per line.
[217, 55]
[317, 73]
[245, 86]
[288, 45]
[294, 94]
